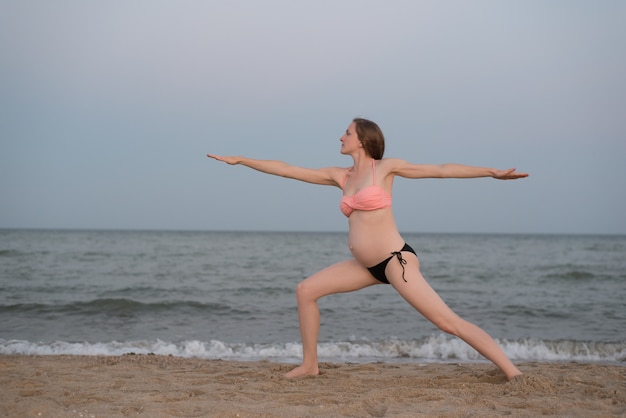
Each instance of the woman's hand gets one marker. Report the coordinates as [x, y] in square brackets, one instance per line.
[228, 160]
[509, 174]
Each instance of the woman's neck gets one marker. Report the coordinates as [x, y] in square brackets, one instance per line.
[361, 161]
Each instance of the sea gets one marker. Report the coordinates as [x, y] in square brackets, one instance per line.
[230, 295]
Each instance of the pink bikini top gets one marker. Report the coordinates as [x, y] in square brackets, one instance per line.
[369, 198]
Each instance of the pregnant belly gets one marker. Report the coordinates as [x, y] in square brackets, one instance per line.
[371, 249]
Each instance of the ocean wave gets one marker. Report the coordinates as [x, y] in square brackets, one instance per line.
[571, 275]
[117, 306]
[437, 348]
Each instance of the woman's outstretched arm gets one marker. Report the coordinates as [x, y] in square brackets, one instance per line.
[329, 176]
[414, 171]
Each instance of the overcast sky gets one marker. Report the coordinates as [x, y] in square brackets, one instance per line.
[107, 110]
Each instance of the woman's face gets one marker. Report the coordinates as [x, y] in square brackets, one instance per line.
[350, 140]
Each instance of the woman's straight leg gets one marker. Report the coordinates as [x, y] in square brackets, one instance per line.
[417, 292]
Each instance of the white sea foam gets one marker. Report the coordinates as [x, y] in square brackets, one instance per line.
[438, 348]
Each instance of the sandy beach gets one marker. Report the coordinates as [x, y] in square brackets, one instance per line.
[159, 386]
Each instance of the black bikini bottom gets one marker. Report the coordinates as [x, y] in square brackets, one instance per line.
[378, 271]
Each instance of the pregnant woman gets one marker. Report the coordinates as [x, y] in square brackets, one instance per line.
[379, 253]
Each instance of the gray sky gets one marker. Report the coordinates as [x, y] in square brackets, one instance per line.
[107, 110]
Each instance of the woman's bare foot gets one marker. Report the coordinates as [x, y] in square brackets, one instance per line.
[302, 371]
[512, 374]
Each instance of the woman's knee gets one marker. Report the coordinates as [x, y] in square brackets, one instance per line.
[448, 328]
[304, 292]
[450, 325]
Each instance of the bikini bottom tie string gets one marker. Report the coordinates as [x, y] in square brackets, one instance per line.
[402, 261]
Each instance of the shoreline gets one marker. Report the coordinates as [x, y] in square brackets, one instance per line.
[166, 386]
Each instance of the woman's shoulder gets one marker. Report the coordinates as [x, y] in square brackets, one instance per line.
[391, 164]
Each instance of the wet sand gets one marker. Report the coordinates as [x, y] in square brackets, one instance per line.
[158, 386]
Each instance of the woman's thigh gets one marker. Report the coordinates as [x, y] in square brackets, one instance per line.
[345, 276]
[416, 290]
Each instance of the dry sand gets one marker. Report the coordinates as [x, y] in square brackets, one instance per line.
[158, 386]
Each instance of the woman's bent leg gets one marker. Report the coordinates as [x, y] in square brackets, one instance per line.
[422, 297]
[345, 276]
